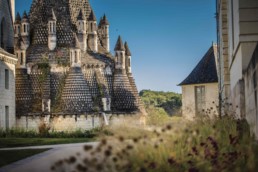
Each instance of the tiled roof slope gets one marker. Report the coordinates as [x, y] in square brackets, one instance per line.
[204, 72]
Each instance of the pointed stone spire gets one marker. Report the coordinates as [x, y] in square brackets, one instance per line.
[104, 20]
[53, 17]
[92, 16]
[17, 18]
[80, 16]
[100, 22]
[25, 16]
[127, 50]
[119, 44]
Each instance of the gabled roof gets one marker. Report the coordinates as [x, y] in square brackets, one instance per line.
[204, 72]
[127, 50]
[119, 44]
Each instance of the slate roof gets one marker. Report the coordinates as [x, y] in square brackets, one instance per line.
[204, 72]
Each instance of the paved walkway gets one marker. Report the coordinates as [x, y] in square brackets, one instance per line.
[43, 161]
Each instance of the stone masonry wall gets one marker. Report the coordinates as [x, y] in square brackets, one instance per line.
[70, 122]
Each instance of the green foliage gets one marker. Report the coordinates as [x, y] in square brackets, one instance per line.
[169, 101]
[203, 145]
[44, 67]
[9, 156]
[157, 116]
[22, 142]
[44, 132]
[57, 103]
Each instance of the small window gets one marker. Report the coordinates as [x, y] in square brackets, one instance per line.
[129, 62]
[200, 99]
[75, 57]
[6, 79]
[24, 28]
[21, 59]
[54, 25]
[7, 117]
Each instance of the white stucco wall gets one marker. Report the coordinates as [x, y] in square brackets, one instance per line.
[7, 96]
[188, 98]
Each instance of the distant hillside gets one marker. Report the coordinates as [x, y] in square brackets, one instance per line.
[171, 102]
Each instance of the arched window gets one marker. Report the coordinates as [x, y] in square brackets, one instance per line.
[24, 28]
[91, 25]
[54, 25]
[21, 62]
[75, 57]
[2, 36]
[129, 62]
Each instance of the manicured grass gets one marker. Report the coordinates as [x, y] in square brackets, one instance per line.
[22, 142]
[10, 156]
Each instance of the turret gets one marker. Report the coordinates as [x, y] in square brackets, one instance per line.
[104, 32]
[20, 53]
[25, 30]
[17, 26]
[92, 35]
[120, 54]
[128, 57]
[75, 54]
[52, 32]
[81, 31]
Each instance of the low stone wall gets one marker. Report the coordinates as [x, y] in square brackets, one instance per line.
[70, 122]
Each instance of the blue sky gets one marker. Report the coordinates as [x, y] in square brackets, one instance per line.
[167, 38]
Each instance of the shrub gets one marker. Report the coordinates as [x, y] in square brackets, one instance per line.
[203, 145]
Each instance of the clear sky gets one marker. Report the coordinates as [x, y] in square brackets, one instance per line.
[167, 38]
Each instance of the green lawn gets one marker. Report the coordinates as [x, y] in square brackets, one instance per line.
[10, 156]
[22, 142]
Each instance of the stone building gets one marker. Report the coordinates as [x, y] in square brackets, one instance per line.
[238, 57]
[66, 74]
[200, 89]
[7, 66]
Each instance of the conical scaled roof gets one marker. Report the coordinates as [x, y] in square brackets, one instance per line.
[119, 45]
[76, 97]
